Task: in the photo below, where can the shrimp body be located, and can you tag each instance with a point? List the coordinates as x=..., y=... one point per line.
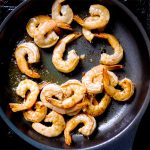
x=45, y=37
x=50, y=91
x=94, y=77
x=97, y=109
x=38, y=115
x=78, y=92
x=65, y=10
x=116, y=57
x=33, y=24
x=58, y=125
x=119, y=95
x=72, y=60
x=88, y=34
x=21, y=90
x=98, y=19
x=32, y=51
x=88, y=128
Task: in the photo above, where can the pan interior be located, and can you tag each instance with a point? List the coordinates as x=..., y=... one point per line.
x=136, y=63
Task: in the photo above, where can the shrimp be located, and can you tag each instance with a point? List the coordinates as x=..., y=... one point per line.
x=116, y=57
x=93, y=78
x=72, y=61
x=45, y=37
x=119, y=95
x=65, y=10
x=78, y=90
x=88, y=34
x=31, y=98
x=88, y=128
x=58, y=125
x=38, y=115
x=34, y=23
x=97, y=109
x=32, y=51
x=98, y=19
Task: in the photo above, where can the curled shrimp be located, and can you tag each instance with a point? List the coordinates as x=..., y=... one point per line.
x=45, y=37
x=34, y=23
x=32, y=51
x=58, y=125
x=38, y=115
x=119, y=95
x=72, y=61
x=78, y=92
x=116, y=57
x=96, y=109
x=65, y=10
x=93, y=78
x=31, y=98
x=88, y=128
x=99, y=17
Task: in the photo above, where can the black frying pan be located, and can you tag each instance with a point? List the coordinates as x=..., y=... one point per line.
x=116, y=128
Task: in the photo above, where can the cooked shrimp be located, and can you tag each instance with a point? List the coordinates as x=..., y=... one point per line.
x=72, y=61
x=32, y=51
x=98, y=109
x=88, y=128
x=120, y=95
x=38, y=115
x=35, y=22
x=88, y=34
x=58, y=125
x=31, y=98
x=45, y=37
x=79, y=91
x=32, y=25
x=116, y=57
x=62, y=13
x=98, y=19
x=51, y=91
x=93, y=78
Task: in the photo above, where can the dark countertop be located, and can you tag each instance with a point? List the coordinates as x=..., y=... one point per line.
x=9, y=140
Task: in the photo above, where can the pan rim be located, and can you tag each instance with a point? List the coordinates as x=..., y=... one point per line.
x=137, y=117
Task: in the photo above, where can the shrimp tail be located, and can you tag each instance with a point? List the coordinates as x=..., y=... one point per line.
x=63, y=25
x=78, y=20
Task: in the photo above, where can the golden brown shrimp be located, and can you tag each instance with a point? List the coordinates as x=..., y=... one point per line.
x=119, y=95
x=45, y=37
x=72, y=60
x=32, y=25
x=88, y=34
x=88, y=128
x=62, y=13
x=58, y=125
x=97, y=109
x=35, y=22
x=98, y=19
x=114, y=58
x=38, y=115
x=32, y=51
x=93, y=78
x=79, y=91
x=31, y=98
x=51, y=90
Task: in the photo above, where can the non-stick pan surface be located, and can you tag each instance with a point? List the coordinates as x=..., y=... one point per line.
x=119, y=116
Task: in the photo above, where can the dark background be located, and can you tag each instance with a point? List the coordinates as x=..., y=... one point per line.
x=141, y=8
